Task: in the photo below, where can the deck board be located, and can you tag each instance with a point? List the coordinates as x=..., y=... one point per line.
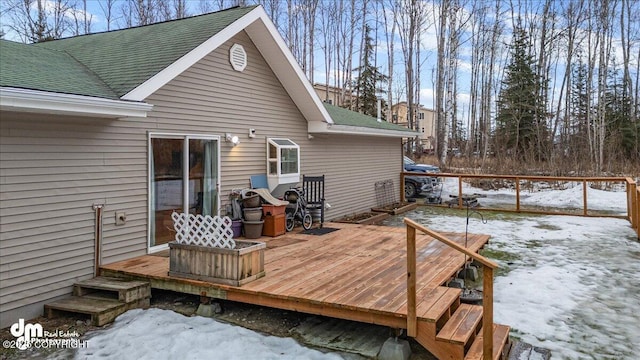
x=356, y=273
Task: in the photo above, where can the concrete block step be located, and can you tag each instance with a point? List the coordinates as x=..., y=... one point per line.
x=123, y=290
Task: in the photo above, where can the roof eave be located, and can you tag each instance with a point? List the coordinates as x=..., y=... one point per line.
x=317, y=127
x=273, y=48
x=36, y=101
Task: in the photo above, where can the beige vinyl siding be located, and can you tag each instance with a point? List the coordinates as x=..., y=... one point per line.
x=53, y=168
x=233, y=102
x=352, y=166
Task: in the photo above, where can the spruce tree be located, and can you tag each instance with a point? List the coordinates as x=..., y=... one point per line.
x=520, y=119
x=368, y=84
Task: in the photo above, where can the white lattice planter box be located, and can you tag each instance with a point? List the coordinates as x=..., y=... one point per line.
x=233, y=267
x=206, y=250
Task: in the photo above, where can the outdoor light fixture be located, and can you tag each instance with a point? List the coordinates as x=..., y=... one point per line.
x=232, y=139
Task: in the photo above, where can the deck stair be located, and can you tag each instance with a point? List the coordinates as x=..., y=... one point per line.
x=102, y=299
x=442, y=324
x=452, y=330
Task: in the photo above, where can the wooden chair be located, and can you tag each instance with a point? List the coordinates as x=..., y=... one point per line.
x=313, y=187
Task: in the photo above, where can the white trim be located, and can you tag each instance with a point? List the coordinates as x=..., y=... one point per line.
x=317, y=127
x=25, y=100
x=189, y=59
x=279, y=178
x=186, y=137
x=267, y=39
x=277, y=54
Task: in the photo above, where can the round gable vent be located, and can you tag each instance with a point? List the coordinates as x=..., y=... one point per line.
x=238, y=57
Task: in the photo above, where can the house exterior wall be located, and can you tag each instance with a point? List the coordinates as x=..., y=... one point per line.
x=54, y=168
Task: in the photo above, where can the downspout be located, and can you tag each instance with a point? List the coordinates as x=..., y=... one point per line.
x=97, y=251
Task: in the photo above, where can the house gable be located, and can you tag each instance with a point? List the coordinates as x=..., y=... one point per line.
x=134, y=63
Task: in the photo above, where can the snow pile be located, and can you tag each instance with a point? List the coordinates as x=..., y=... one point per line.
x=163, y=334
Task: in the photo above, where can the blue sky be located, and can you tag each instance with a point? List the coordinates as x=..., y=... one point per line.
x=428, y=50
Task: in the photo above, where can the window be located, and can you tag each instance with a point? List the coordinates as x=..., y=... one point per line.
x=421, y=115
x=283, y=162
x=184, y=177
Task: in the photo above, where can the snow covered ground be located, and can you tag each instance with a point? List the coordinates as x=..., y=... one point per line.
x=569, y=284
x=163, y=334
x=536, y=194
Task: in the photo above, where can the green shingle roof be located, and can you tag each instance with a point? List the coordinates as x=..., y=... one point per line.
x=111, y=64
x=29, y=67
x=121, y=60
x=347, y=117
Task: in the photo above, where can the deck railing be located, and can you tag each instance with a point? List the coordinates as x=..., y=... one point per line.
x=633, y=205
x=632, y=189
x=487, y=284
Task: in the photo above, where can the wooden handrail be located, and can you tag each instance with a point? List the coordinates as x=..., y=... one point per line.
x=487, y=284
x=475, y=256
x=521, y=177
x=631, y=188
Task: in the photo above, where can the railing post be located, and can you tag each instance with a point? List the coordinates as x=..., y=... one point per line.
x=412, y=321
x=629, y=202
x=460, y=192
x=633, y=209
x=517, y=194
x=636, y=201
x=487, y=313
x=584, y=196
x=402, y=198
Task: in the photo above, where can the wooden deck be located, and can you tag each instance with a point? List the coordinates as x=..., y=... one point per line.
x=357, y=273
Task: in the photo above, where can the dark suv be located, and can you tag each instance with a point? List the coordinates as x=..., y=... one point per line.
x=414, y=185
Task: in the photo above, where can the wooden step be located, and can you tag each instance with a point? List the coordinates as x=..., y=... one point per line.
x=500, y=340
x=101, y=311
x=462, y=326
x=438, y=303
x=123, y=290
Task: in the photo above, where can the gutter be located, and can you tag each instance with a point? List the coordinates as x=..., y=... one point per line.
x=317, y=127
x=36, y=101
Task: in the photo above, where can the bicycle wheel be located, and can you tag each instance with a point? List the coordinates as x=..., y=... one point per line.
x=290, y=222
x=307, y=221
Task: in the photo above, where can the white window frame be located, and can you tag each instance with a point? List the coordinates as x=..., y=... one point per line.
x=185, y=176
x=278, y=177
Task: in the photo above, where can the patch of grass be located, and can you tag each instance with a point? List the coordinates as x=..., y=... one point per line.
x=502, y=256
x=534, y=244
x=497, y=254
x=547, y=227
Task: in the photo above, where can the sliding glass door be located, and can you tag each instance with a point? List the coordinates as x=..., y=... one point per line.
x=184, y=177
